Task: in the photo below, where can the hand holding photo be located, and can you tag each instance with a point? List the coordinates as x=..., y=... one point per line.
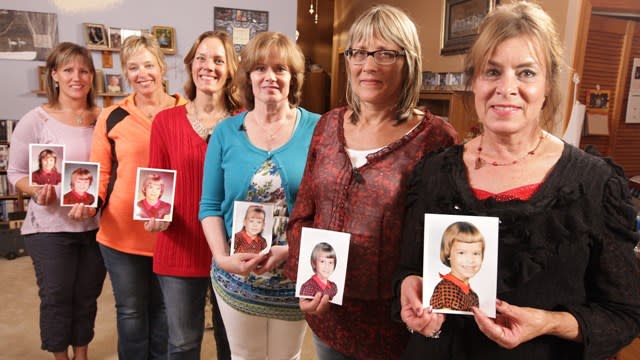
x=155, y=189
x=460, y=263
x=80, y=183
x=44, y=162
x=326, y=270
x=252, y=227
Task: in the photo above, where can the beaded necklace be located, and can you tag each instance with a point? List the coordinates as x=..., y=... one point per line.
x=480, y=162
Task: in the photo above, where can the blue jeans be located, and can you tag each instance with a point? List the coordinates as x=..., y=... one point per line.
x=141, y=315
x=185, y=300
x=70, y=274
x=324, y=352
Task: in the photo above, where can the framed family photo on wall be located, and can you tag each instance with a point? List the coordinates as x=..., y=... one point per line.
x=95, y=36
x=461, y=21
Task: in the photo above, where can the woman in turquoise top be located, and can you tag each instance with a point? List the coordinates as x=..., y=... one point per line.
x=258, y=156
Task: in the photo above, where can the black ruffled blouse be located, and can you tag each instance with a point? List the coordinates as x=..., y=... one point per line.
x=568, y=248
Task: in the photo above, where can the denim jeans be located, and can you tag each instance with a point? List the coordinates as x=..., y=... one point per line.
x=324, y=352
x=185, y=300
x=141, y=315
x=70, y=274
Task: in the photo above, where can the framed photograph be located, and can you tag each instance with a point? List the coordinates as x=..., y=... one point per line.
x=112, y=83
x=252, y=227
x=166, y=36
x=241, y=24
x=80, y=182
x=323, y=264
x=598, y=100
x=460, y=263
x=155, y=190
x=461, y=21
x=125, y=33
x=42, y=78
x=44, y=161
x=95, y=36
x=115, y=38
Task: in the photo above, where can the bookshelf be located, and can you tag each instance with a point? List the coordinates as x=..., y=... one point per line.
x=12, y=205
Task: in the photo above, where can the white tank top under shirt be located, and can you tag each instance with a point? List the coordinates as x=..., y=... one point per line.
x=359, y=157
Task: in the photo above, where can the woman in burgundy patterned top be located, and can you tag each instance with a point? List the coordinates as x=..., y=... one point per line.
x=355, y=180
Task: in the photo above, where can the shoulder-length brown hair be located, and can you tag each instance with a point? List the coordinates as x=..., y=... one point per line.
x=231, y=100
x=256, y=52
x=521, y=19
x=61, y=55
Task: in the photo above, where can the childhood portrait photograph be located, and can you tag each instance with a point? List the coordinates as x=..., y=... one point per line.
x=45, y=162
x=252, y=226
x=80, y=183
x=460, y=263
x=155, y=189
x=323, y=264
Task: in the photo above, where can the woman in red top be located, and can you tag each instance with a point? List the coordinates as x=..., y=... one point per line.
x=179, y=136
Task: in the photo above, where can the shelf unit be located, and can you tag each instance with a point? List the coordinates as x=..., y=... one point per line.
x=456, y=106
x=18, y=197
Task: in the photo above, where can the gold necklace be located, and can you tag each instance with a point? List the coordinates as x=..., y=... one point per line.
x=480, y=162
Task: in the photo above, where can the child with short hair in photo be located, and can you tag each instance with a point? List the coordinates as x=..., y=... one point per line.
x=323, y=263
x=461, y=249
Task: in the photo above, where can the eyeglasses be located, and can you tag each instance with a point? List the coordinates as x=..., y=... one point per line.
x=381, y=57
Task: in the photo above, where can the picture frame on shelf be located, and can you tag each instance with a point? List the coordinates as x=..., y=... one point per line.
x=166, y=36
x=42, y=78
x=113, y=83
x=598, y=100
x=95, y=36
x=115, y=38
x=461, y=21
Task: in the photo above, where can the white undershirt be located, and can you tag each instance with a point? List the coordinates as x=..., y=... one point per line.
x=359, y=157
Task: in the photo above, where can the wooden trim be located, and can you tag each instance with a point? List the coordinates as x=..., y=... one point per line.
x=621, y=82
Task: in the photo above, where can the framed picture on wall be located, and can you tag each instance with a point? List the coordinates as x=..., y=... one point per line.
x=241, y=24
x=115, y=38
x=166, y=36
x=113, y=83
x=95, y=36
x=461, y=21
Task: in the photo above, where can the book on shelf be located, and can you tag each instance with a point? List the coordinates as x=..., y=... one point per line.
x=4, y=156
x=6, y=129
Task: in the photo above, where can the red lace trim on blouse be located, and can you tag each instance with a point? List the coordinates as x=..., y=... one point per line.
x=520, y=193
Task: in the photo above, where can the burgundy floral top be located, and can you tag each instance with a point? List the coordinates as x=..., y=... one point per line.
x=368, y=203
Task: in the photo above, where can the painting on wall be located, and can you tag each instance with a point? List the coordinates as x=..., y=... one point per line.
x=241, y=24
x=461, y=21
x=27, y=35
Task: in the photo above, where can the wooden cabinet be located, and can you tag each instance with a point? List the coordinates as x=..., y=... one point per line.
x=454, y=106
x=315, y=91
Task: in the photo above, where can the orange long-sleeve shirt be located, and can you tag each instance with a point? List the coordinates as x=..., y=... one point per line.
x=131, y=136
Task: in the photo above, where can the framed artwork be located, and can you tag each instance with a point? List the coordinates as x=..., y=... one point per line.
x=598, y=100
x=166, y=36
x=241, y=24
x=44, y=162
x=252, y=227
x=80, y=183
x=155, y=190
x=95, y=36
x=461, y=21
x=115, y=38
x=323, y=264
x=113, y=83
x=460, y=249
x=27, y=35
x=42, y=78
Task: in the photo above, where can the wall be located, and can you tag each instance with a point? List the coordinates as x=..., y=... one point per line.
x=189, y=18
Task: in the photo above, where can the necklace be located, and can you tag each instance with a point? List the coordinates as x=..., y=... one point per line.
x=204, y=131
x=480, y=162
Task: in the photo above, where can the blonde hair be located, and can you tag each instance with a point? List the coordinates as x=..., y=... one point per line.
x=521, y=19
x=461, y=231
x=135, y=43
x=256, y=52
x=390, y=24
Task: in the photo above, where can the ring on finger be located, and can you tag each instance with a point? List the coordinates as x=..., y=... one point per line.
x=435, y=334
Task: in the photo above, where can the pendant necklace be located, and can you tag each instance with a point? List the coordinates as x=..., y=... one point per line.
x=203, y=131
x=480, y=162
